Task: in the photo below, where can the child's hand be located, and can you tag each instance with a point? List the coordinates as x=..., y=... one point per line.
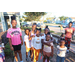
x=33, y=35
x=51, y=54
x=21, y=43
x=12, y=48
x=32, y=48
x=42, y=34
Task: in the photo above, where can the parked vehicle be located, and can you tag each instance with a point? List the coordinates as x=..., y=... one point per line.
x=65, y=25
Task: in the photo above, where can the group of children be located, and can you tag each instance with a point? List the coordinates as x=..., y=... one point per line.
x=35, y=43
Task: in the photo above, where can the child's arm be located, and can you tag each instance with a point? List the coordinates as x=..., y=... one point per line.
x=32, y=43
x=47, y=43
x=52, y=50
x=30, y=37
x=21, y=40
x=11, y=47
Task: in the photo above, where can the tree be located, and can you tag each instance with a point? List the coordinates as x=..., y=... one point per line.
x=63, y=18
x=30, y=16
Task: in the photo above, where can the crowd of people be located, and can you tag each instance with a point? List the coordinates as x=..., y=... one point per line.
x=37, y=42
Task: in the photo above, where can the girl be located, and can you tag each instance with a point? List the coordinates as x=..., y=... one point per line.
x=61, y=51
x=32, y=35
x=46, y=30
x=61, y=38
x=37, y=44
x=2, y=55
x=47, y=48
x=68, y=35
x=27, y=43
x=15, y=39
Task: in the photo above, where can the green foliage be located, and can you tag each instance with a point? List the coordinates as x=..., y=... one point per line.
x=8, y=51
x=50, y=18
x=45, y=20
x=63, y=18
x=30, y=16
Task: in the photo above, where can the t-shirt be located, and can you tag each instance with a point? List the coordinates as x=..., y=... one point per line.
x=47, y=48
x=36, y=42
x=26, y=39
x=14, y=34
x=69, y=32
x=61, y=51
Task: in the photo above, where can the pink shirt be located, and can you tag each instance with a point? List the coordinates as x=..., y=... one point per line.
x=14, y=34
x=69, y=32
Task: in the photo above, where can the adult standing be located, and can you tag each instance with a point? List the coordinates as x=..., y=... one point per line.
x=69, y=31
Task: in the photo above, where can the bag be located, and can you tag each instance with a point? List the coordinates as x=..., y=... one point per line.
x=4, y=38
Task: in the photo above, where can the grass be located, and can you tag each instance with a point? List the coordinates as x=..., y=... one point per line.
x=8, y=53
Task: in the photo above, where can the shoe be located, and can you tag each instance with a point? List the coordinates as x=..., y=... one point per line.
x=21, y=61
x=27, y=59
x=46, y=60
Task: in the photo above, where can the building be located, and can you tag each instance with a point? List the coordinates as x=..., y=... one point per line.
x=5, y=20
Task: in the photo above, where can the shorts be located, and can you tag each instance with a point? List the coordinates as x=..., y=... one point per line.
x=17, y=47
x=48, y=54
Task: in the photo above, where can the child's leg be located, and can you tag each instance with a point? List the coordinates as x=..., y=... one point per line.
x=37, y=56
x=47, y=59
x=32, y=52
x=44, y=58
x=58, y=59
x=20, y=55
x=15, y=53
x=26, y=54
x=62, y=59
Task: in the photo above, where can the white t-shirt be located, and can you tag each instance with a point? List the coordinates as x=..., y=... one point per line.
x=47, y=48
x=26, y=39
x=36, y=42
x=61, y=51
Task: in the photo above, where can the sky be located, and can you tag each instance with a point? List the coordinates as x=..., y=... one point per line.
x=57, y=14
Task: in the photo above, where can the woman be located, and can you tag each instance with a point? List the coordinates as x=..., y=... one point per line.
x=68, y=35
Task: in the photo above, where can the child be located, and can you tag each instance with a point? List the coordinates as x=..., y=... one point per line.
x=32, y=35
x=61, y=28
x=61, y=51
x=27, y=43
x=61, y=38
x=47, y=48
x=46, y=30
x=2, y=55
x=15, y=39
x=36, y=44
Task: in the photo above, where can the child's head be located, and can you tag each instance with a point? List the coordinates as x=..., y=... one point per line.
x=0, y=41
x=62, y=42
x=46, y=30
x=62, y=35
x=70, y=24
x=48, y=36
x=14, y=23
x=27, y=31
x=38, y=31
x=34, y=26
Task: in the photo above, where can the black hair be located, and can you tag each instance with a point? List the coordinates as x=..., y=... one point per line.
x=12, y=20
x=70, y=22
x=27, y=29
x=62, y=39
x=46, y=27
x=62, y=34
x=34, y=24
x=48, y=33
